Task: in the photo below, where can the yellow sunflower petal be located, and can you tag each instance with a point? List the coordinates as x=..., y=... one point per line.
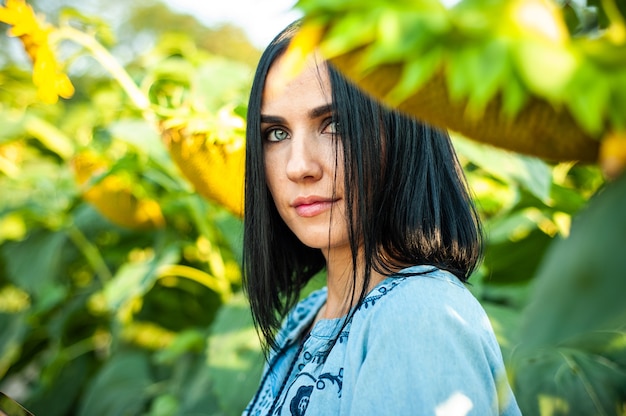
x=22, y=17
x=612, y=157
x=63, y=85
x=216, y=170
x=304, y=42
x=113, y=195
x=10, y=13
x=49, y=80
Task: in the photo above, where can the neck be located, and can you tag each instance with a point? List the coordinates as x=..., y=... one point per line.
x=343, y=291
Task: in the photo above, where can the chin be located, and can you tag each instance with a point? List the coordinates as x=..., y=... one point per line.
x=323, y=240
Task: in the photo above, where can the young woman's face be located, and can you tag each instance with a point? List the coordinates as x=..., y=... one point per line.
x=303, y=155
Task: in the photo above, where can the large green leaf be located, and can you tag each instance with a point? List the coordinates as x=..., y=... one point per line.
x=59, y=397
x=572, y=358
x=120, y=388
x=572, y=378
x=505, y=323
x=35, y=263
x=514, y=259
x=234, y=356
x=14, y=328
x=135, y=279
x=196, y=394
x=231, y=229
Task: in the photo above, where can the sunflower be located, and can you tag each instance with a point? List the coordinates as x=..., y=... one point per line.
x=50, y=80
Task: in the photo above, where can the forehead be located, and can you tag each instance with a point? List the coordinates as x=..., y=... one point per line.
x=309, y=85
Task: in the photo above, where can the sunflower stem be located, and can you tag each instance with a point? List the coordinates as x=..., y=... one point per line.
x=109, y=62
x=91, y=253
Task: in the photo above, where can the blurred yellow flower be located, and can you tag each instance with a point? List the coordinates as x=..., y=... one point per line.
x=50, y=81
x=114, y=195
x=612, y=157
x=215, y=166
x=304, y=43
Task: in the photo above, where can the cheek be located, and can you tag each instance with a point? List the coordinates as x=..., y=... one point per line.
x=275, y=182
x=271, y=170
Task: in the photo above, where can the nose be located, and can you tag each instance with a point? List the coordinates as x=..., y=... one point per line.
x=304, y=162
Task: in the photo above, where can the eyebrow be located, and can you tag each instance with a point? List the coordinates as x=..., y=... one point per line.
x=313, y=114
x=320, y=111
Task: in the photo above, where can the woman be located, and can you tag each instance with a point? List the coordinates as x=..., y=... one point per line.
x=335, y=182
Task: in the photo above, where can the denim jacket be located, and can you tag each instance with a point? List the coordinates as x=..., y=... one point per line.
x=419, y=344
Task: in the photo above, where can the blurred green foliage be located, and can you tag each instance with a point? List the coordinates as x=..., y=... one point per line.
x=98, y=318
x=101, y=319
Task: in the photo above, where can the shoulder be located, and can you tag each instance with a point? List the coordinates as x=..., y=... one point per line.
x=429, y=301
x=428, y=337
x=419, y=287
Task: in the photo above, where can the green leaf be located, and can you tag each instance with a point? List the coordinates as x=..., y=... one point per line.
x=196, y=396
x=404, y=35
x=588, y=98
x=514, y=97
x=231, y=230
x=351, y=32
x=582, y=275
x=618, y=103
x=505, y=323
x=545, y=68
x=568, y=381
x=165, y=405
x=59, y=397
x=234, y=355
x=531, y=173
x=489, y=69
x=133, y=280
x=184, y=342
x=37, y=277
x=515, y=260
x=573, y=353
x=491, y=195
x=414, y=74
x=14, y=328
x=119, y=388
x=458, y=79
x=566, y=200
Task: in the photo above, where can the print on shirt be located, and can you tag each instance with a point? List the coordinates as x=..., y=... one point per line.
x=300, y=402
x=305, y=384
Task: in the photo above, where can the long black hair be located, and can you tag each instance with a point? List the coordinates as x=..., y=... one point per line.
x=407, y=201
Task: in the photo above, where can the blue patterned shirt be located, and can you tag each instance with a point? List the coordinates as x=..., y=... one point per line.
x=419, y=344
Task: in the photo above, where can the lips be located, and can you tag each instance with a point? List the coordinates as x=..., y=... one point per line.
x=312, y=205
